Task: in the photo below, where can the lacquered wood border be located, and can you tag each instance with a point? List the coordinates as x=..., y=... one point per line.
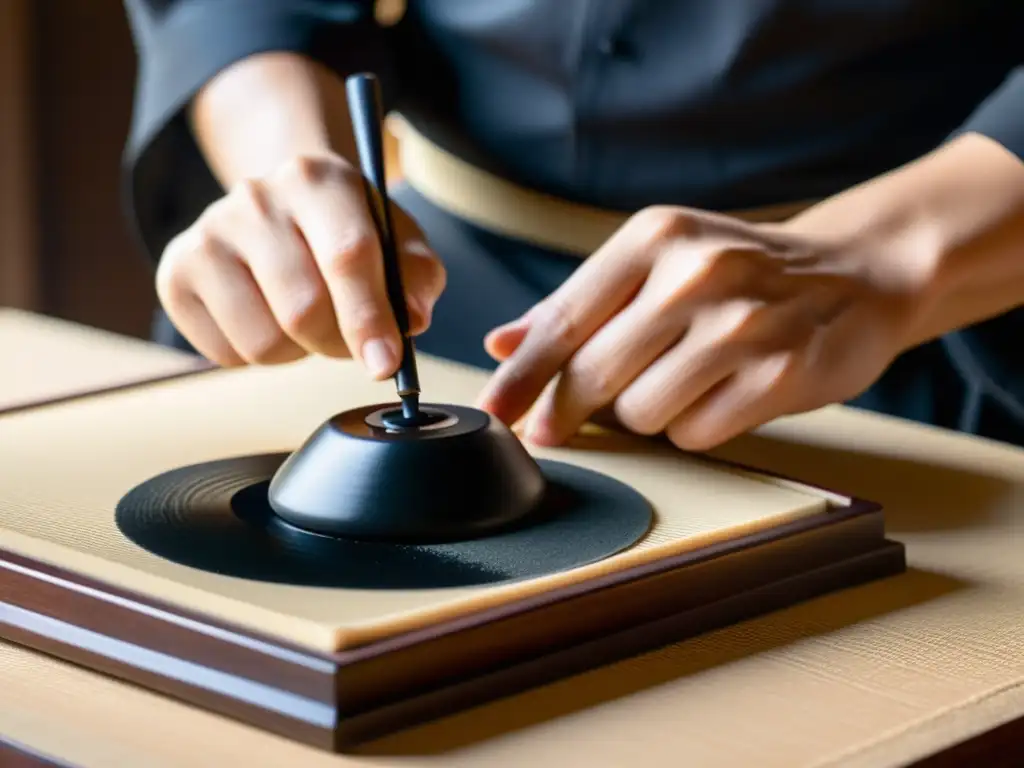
x=16, y=755
x=332, y=700
x=885, y=560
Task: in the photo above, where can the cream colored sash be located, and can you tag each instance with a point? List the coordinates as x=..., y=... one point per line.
x=500, y=206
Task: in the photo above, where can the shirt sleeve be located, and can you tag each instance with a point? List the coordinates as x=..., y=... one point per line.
x=180, y=46
x=1001, y=116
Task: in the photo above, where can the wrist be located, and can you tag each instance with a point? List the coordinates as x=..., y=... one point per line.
x=945, y=233
x=267, y=110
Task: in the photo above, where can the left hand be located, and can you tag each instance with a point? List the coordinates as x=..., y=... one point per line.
x=703, y=327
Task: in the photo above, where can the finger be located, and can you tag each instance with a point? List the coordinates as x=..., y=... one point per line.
x=755, y=395
x=503, y=341
x=679, y=280
x=423, y=280
x=189, y=316
x=235, y=303
x=184, y=308
x=621, y=350
x=675, y=380
x=605, y=365
x=560, y=324
x=284, y=270
x=424, y=277
x=331, y=212
x=720, y=339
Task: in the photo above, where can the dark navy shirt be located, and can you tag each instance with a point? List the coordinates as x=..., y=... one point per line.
x=716, y=104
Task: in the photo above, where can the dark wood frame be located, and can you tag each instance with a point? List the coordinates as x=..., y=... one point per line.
x=335, y=701
x=13, y=754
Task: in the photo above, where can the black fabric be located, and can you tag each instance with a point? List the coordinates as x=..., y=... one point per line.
x=216, y=517
x=619, y=103
x=624, y=103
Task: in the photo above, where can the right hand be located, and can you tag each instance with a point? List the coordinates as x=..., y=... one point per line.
x=290, y=265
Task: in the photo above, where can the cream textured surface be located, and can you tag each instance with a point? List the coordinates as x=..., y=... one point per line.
x=65, y=468
x=873, y=676
x=64, y=359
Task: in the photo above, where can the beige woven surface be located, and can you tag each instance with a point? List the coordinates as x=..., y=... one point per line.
x=43, y=359
x=66, y=467
x=873, y=676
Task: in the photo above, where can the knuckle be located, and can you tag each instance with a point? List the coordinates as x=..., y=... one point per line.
x=658, y=223
x=594, y=380
x=264, y=348
x=305, y=311
x=423, y=272
x=633, y=413
x=364, y=321
x=169, y=267
x=251, y=198
x=708, y=274
x=559, y=321
x=741, y=321
x=352, y=257
x=779, y=369
x=168, y=282
x=692, y=436
x=179, y=258
x=310, y=170
x=728, y=266
x=204, y=243
x=439, y=277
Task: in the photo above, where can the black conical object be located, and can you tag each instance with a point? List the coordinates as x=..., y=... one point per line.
x=404, y=472
x=463, y=476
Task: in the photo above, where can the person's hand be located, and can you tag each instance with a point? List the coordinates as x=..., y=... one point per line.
x=290, y=265
x=702, y=327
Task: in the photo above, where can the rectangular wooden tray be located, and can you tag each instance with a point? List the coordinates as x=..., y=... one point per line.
x=336, y=701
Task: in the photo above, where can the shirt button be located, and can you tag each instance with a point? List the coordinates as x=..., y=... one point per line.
x=389, y=12
x=614, y=47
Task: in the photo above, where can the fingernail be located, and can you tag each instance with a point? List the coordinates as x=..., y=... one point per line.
x=417, y=247
x=379, y=357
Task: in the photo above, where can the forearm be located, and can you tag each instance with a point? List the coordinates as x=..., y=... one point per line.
x=266, y=109
x=951, y=225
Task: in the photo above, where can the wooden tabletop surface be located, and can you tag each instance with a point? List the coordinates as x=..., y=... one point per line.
x=881, y=675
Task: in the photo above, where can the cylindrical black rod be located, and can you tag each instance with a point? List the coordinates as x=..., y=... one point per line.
x=367, y=114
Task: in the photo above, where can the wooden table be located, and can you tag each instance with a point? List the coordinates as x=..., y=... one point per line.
x=927, y=666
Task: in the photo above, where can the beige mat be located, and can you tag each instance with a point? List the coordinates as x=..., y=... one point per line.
x=46, y=359
x=65, y=468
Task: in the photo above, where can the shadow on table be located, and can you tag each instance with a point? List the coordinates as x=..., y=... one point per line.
x=918, y=495
x=819, y=616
